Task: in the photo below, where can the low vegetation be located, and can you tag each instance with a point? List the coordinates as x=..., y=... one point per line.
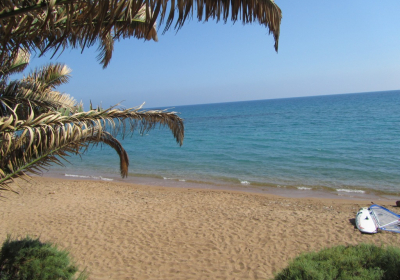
x=31, y=259
x=363, y=262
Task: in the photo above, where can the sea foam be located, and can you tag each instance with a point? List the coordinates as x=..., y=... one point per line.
x=350, y=191
x=89, y=177
x=304, y=188
x=77, y=176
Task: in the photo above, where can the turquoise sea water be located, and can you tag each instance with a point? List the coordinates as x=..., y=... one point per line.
x=343, y=143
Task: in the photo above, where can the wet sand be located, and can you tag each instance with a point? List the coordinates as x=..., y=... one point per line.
x=125, y=231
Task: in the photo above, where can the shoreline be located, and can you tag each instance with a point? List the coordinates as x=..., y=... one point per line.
x=120, y=230
x=289, y=192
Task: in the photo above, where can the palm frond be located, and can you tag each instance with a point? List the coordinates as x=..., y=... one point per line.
x=50, y=76
x=60, y=24
x=111, y=141
x=36, y=91
x=37, y=153
x=15, y=65
x=43, y=139
x=57, y=24
x=116, y=119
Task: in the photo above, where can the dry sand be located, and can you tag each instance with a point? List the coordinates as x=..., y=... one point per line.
x=126, y=231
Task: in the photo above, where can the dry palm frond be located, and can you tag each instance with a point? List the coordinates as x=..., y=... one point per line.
x=57, y=24
x=111, y=141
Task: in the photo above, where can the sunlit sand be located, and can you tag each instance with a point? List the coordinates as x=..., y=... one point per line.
x=125, y=231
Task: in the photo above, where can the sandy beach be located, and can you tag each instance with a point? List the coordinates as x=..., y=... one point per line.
x=126, y=231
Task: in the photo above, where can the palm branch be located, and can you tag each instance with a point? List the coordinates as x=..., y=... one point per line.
x=42, y=139
x=15, y=65
x=37, y=92
x=53, y=25
x=119, y=121
x=33, y=154
x=40, y=126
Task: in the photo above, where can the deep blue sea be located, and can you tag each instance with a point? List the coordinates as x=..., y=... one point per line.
x=346, y=143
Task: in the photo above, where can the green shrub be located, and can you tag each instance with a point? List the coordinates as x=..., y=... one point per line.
x=364, y=261
x=31, y=259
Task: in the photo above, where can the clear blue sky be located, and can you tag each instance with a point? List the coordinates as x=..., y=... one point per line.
x=326, y=47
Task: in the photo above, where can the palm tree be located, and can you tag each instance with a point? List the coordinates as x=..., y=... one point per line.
x=39, y=125
x=47, y=25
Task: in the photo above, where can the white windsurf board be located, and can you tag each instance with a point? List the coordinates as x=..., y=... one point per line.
x=365, y=221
